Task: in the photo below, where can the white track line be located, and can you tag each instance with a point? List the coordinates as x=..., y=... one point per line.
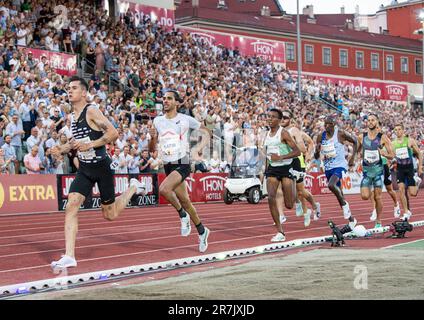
x=402, y=244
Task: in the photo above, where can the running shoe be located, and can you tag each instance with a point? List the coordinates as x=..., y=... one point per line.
x=396, y=210
x=64, y=262
x=299, y=209
x=203, y=240
x=346, y=211
x=317, y=212
x=141, y=187
x=307, y=218
x=185, y=226
x=377, y=225
x=297, y=174
x=407, y=215
x=373, y=215
x=279, y=237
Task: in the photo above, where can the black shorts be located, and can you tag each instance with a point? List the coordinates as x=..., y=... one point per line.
x=297, y=167
x=279, y=172
x=405, y=175
x=387, y=175
x=182, y=166
x=90, y=173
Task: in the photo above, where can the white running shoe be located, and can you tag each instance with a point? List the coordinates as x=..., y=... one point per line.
x=282, y=219
x=299, y=209
x=64, y=262
x=373, y=215
x=185, y=226
x=346, y=211
x=279, y=237
x=307, y=218
x=407, y=215
x=141, y=187
x=396, y=210
x=203, y=240
x=352, y=224
x=317, y=212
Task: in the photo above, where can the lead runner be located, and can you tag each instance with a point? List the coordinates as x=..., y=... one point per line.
x=91, y=131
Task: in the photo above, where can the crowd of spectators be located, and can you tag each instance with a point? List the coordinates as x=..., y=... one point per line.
x=130, y=63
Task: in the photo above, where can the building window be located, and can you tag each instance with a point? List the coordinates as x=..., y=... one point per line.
x=404, y=66
x=390, y=63
x=326, y=56
x=359, y=60
x=290, y=52
x=418, y=67
x=309, y=54
x=375, y=63
x=343, y=58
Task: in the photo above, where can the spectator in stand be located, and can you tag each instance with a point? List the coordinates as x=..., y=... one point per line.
x=145, y=162
x=32, y=162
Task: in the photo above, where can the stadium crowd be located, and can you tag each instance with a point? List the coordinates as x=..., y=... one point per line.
x=130, y=63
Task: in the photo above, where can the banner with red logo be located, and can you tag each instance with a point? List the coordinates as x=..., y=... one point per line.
x=381, y=90
x=121, y=185
x=202, y=187
x=165, y=17
x=63, y=63
x=27, y=193
x=267, y=49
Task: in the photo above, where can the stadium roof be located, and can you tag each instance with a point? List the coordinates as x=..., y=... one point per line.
x=238, y=6
x=337, y=19
x=226, y=19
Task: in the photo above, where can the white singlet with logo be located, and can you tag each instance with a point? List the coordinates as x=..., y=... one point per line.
x=174, y=136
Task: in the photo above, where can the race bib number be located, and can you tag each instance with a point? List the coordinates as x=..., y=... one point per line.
x=328, y=150
x=402, y=153
x=89, y=154
x=371, y=156
x=171, y=145
x=272, y=150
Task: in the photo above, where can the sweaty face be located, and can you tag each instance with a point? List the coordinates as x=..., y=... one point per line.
x=329, y=125
x=76, y=92
x=398, y=131
x=169, y=102
x=285, y=121
x=273, y=119
x=372, y=123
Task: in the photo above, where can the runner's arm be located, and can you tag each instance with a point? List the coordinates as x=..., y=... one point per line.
x=310, y=146
x=110, y=134
x=389, y=154
x=417, y=150
x=298, y=139
x=318, y=147
x=285, y=136
x=352, y=139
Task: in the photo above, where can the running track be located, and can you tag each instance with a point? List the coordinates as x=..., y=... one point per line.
x=29, y=243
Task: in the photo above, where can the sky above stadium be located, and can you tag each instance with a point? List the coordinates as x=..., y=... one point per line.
x=333, y=6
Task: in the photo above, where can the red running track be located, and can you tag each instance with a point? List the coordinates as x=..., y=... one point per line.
x=139, y=236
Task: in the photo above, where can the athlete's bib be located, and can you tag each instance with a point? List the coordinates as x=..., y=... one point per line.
x=171, y=145
x=371, y=156
x=328, y=150
x=89, y=154
x=402, y=153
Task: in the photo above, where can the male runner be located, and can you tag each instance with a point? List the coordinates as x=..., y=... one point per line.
x=171, y=131
x=389, y=187
x=331, y=145
x=299, y=165
x=91, y=131
x=404, y=148
x=371, y=143
x=280, y=151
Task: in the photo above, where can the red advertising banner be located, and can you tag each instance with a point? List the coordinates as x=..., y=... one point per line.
x=63, y=63
x=381, y=90
x=165, y=17
x=27, y=194
x=202, y=187
x=267, y=49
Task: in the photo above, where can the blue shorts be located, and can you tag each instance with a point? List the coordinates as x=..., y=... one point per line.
x=335, y=172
